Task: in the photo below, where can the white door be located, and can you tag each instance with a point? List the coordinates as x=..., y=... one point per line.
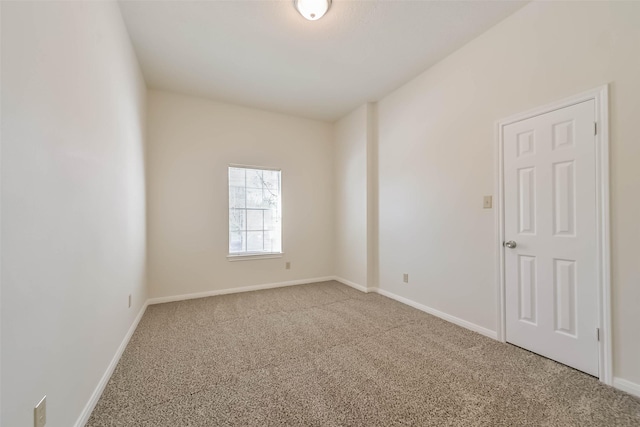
x=550, y=216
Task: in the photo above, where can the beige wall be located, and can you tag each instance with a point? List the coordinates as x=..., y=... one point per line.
x=350, y=157
x=191, y=143
x=436, y=151
x=73, y=203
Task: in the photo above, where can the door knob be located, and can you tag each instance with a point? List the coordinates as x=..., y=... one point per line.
x=510, y=244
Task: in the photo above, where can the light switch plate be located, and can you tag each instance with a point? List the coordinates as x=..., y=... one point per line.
x=40, y=413
x=488, y=202
x=405, y=277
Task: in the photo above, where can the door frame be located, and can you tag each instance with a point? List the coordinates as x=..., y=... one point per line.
x=601, y=97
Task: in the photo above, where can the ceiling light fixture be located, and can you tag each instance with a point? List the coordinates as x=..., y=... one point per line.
x=312, y=9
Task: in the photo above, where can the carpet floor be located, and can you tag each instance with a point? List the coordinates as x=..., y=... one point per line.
x=328, y=355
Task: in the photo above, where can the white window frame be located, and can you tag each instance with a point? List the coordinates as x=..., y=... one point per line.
x=248, y=256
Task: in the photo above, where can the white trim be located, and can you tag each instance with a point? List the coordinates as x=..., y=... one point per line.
x=173, y=298
x=239, y=166
x=626, y=386
x=449, y=318
x=499, y=231
x=97, y=393
x=91, y=404
x=254, y=256
x=601, y=97
x=352, y=284
x=619, y=383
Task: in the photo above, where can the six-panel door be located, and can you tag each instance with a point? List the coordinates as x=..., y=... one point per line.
x=550, y=212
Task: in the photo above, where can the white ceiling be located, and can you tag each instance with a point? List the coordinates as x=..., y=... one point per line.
x=263, y=54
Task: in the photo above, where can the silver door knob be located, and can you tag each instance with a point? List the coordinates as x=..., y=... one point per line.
x=510, y=244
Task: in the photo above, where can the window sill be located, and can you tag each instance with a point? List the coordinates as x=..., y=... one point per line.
x=255, y=256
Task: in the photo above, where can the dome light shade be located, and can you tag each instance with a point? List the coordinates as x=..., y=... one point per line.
x=312, y=9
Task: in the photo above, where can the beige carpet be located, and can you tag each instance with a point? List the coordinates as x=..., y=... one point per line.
x=328, y=355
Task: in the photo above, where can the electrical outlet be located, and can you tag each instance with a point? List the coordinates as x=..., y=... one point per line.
x=287, y=265
x=488, y=202
x=40, y=413
x=129, y=300
x=405, y=277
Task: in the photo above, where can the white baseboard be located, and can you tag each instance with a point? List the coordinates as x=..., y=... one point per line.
x=465, y=324
x=627, y=386
x=352, y=284
x=91, y=404
x=88, y=409
x=449, y=318
x=619, y=383
x=160, y=300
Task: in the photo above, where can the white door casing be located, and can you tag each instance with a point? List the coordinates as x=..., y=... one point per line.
x=553, y=202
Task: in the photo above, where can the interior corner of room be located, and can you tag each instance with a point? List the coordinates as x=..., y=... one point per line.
x=115, y=172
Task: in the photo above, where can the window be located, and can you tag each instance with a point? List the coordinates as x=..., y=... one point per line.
x=255, y=212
